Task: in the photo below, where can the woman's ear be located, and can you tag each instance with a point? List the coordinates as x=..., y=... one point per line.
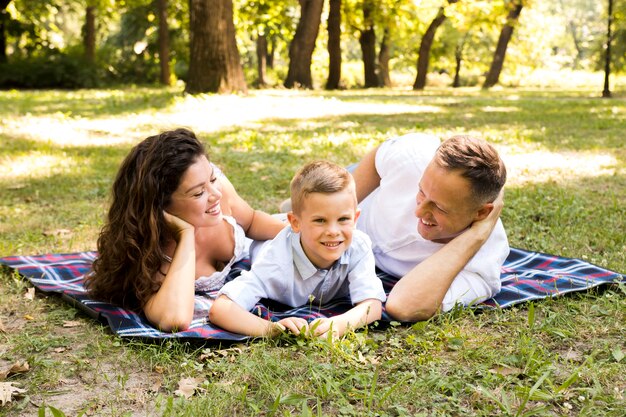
x=294, y=221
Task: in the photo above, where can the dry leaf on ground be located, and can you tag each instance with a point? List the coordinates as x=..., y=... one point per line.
x=187, y=387
x=30, y=294
x=16, y=368
x=7, y=390
x=58, y=232
x=72, y=323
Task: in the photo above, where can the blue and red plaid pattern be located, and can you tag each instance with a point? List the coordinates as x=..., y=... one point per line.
x=525, y=276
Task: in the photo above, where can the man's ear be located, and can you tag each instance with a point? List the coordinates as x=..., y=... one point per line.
x=294, y=221
x=483, y=211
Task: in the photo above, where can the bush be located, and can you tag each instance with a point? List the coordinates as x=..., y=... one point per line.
x=49, y=70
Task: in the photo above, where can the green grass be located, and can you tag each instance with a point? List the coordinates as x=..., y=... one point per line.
x=59, y=152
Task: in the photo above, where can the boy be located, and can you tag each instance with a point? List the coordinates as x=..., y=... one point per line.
x=320, y=256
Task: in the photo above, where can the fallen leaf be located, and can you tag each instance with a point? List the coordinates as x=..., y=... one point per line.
x=60, y=350
x=156, y=386
x=7, y=390
x=187, y=387
x=505, y=370
x=16, y=368
x=72, y=323
x=28, y=317
x=30, y=294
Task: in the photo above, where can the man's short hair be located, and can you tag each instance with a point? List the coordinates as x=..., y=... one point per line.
x=476, y=160
x=319, y=177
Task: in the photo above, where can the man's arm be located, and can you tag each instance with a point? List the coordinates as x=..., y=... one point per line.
x=365, y=175
x=418, y=295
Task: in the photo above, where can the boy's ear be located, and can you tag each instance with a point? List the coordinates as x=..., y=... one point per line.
x=357, y=213
x=294, y=221
x=483, y=211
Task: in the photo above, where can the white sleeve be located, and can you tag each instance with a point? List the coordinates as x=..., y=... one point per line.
x=363, y=281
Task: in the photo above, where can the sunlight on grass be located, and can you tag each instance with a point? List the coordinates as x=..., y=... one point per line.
x=35, y=165
x=543, y=166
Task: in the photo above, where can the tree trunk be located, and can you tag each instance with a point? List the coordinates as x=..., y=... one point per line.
x=334, y=45
x=383, y=61
x=368, y=47
x=4, y=17
x=424, y=52
x=271, y=47
x=606, y=91
x=505, y=36
x=458, y=58
x=261, y=59
x=214, y=64
x=303, y=44
x=164, y=43
x=89, y=40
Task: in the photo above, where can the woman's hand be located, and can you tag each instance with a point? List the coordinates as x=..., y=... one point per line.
x=176, y=225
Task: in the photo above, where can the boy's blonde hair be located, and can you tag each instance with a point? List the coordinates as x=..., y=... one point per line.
x=319, y=177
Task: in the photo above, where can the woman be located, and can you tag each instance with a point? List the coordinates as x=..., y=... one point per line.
x=176, y=224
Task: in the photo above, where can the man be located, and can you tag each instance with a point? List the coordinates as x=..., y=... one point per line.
x=432, y=213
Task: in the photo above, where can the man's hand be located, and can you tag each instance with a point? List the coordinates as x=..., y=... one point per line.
x=487, y=224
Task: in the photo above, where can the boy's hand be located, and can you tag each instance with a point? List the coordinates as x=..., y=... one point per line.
x=322, y=326
x=293, y=324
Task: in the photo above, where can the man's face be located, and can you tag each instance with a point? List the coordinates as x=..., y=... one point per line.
x=445, y=206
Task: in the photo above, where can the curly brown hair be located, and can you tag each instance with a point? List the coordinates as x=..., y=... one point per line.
x=130, y=245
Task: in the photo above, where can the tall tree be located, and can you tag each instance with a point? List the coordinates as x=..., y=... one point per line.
x=334, y=45
x=384, y=55
x=367, y=40
x=303, y=44
x=261, y=59
x=214, y=63
x=515, y=9
x=606, y=91
x=89, y=39
x=164, y=42
x=425, y=46
x=4, y=18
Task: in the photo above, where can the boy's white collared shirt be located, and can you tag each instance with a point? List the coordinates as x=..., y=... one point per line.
x=282, y=272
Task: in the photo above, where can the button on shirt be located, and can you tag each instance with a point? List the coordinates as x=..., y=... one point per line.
x=388, y=217
x=282, y=272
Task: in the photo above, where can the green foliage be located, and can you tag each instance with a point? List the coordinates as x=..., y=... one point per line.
x=51, y=69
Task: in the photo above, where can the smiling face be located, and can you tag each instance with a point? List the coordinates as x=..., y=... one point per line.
x=198, y=196
x=326, y=223
x=445, y=204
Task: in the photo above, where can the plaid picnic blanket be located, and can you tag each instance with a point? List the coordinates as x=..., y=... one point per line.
x=525, y=276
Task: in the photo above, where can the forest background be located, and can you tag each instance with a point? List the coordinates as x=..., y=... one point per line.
x=226, y=46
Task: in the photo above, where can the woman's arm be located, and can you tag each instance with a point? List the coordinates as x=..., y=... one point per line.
x=257, y=224
x=171, y=307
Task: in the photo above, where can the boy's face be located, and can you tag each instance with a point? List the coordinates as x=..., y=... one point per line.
x=445, y=205
x=325, y=224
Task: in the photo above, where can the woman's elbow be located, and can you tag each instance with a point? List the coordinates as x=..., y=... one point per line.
x=172, y=323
